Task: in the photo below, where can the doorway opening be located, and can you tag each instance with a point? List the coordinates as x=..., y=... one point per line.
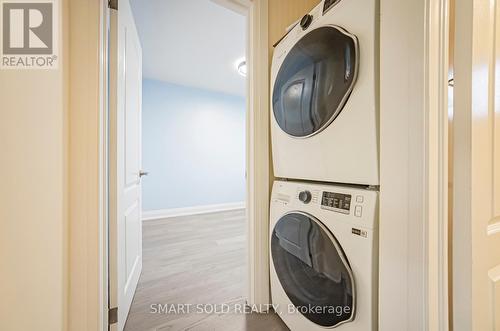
x=193, y=149
x=179, y=247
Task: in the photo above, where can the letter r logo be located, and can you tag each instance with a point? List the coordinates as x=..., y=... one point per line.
x=27, y=28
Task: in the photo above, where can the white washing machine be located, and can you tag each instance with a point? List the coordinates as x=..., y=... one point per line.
x=324, y=256
x=324, y=95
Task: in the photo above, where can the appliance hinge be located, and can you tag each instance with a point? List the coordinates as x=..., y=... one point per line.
x=113, y=4
x=113, y=315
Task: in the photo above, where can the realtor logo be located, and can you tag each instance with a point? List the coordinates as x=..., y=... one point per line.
x=28, y=34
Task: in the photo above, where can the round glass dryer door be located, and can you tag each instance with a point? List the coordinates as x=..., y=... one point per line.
x=315, y=81
x=313, y=270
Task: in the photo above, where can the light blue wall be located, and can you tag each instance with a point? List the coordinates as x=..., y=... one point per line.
x=193, y=144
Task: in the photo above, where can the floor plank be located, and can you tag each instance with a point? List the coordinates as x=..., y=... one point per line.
x=194, y=260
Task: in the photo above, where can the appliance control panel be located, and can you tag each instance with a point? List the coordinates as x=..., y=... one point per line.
x=330, y=203
x=338, y=202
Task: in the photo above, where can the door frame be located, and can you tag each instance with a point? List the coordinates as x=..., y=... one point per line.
x=257, y=149
x=414, y=165
x=436, y=185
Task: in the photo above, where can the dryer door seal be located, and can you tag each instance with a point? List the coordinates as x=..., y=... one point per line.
x=315, y=80
x=313, y=270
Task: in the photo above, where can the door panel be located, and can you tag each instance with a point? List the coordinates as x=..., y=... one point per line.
x=132, y=248
x=132, y=106
x=476, y=187
x=494, y=276
x=125, y=231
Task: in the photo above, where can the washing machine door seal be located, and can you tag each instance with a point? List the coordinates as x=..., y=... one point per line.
x=313, y=270
x=315, y=81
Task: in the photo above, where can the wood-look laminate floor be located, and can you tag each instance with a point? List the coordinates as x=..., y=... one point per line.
x=195, y=260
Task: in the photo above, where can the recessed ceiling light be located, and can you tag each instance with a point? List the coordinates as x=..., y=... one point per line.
x=241, y=67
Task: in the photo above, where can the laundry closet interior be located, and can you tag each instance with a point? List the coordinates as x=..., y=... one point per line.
x=325, y=155
x=333, y=222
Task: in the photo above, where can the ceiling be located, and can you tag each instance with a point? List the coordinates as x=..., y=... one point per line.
x=191, y=42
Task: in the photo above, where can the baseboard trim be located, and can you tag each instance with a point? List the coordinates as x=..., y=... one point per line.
x=175, y=212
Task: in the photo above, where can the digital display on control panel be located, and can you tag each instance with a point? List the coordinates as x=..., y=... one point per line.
x=336, y=201
x=329, y=4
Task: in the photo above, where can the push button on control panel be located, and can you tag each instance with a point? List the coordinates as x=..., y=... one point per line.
x=359, y=198
x=358, y=211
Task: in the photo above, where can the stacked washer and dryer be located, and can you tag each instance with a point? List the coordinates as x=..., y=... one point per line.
x=324, y=205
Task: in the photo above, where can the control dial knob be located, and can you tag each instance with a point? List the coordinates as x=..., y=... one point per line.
x=306, y=21
x=305, y=196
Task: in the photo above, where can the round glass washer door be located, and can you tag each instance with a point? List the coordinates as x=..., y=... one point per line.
x=313, y=270
x=315, y=81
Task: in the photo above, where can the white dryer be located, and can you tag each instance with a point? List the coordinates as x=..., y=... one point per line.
x=324, y=256
x=324, y=95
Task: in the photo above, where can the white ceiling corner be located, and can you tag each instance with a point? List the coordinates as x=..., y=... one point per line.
x=192, y=42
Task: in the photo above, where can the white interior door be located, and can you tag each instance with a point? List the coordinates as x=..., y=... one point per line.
x=476, y=184
x=125, y=233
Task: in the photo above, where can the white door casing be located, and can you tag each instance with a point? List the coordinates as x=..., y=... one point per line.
x=125, y=232
x=476, y=181
x=259, y=167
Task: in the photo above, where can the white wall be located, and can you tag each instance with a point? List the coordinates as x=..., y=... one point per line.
x=33, y=214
